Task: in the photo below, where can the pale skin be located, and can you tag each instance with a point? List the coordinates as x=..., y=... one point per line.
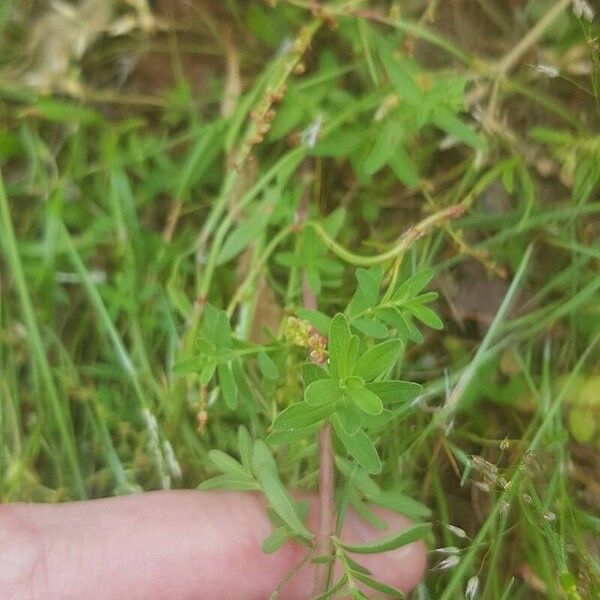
x=180, y=545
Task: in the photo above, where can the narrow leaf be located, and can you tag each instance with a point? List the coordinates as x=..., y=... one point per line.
x=322, y=392
x=267, y=367
x=395, y=391
x=301, y=415
x=228, y=385
x=360, y=447
x=377, y=359
x=374, y=584
x=226, y=463
x=366, y=400
x=339, y=338
x=280, y=501
x=230, y=483
x=277, y=538
x=391, y=542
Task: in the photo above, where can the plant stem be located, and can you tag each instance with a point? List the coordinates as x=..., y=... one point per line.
x=326, y=457
x=326, y=508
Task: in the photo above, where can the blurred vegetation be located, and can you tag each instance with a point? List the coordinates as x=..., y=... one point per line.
x=153, y=156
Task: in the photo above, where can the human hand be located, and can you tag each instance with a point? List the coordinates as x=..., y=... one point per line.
x=180, y=545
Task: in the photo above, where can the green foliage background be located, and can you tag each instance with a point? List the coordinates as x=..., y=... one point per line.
x=134, y=202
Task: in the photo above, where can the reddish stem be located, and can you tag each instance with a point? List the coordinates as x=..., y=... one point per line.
x=326, y=455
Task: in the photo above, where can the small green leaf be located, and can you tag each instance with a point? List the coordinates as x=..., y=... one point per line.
x=379, y=586
x=378, y=359
x=207, y=372
x=391, y=542
x=222, y=331
x=242, y=236
x=228, y=385
x=401, y=79
x=366, y=400
x=312, y=372
x=262, y=457
x=446, y=120
x=188, y=365
x=286, y=437
x=339, y=338
x=245, y=448
x=413, y=285
x=425, y=315
x=355, y=382
x=369, y=284
x=351, y=354
x=266, y=365
x=395, y=391
x=334, y=589
x=301, y=415
x=277, y=538
x=360, y=447
x=384, y=145
x=401, y=503
x=280, y=501
x=404, y=168
x=349, y=417
x=322, y=392
x=226, y=463
x=230, y=483
x=371, y=327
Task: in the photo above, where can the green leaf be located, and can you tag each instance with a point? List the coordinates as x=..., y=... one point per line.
x=384, y=146
x=378, y=359
x=322, y=392
x=64, y=112
x=241, y=236
x=339, y=338
x=401, y=503
x=369, y=285
x=366, y=400
x=245, y=448
x=301, y=415
x=338, y=145
x=351, y=354
x=391, y=542
x=401, y=79
x=425, y=315
x=360, y=447
x=286, y=437
x=188, y=365
x=334, y=589
x=395, y=391
x=230, y=483
x=207, y=372
x=349, y=417
x=266, y=365
x=446, y=120
x=228, y=385
x=413, y=285
x=371, y=327
x=280, y=501
x=222, y=331
x=226, y=463
x=404, y=168
x=388, y=590
x=312, y=372
x=277, y=538
x=262, y=457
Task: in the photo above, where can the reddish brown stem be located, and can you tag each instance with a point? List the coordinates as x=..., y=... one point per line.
x=326, y=455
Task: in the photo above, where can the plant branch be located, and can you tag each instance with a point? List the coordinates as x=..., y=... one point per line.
x=326, y=456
